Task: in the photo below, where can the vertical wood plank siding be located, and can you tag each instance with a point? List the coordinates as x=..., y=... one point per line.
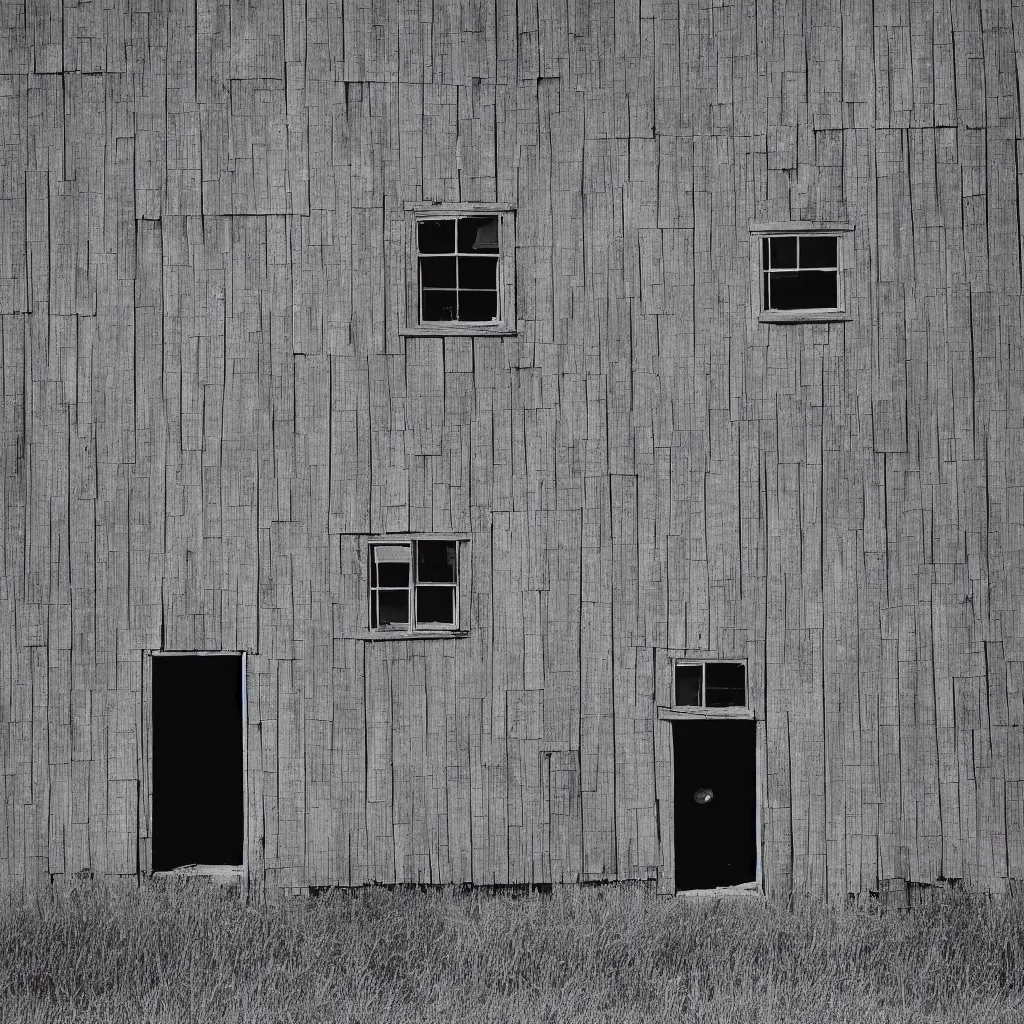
x=208, y=406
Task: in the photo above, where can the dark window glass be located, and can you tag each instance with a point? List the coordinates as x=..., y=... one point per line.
x=392, y=574
x=435, y=605
x=478, y=234
x=804, y=289
x=783, y=252
x=435, y=561
x=440, y=305
x=817, y=251
x=688, y=685
x=478, y=271
x=821, y=289
x=724, y=685
x=786, y=291
x=394, y=607
x=437, y=236
x=437, y=271
x=764, y=254
x=478, y=306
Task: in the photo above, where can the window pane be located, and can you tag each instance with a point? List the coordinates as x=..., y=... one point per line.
x=438, y=305
x=783, y=252
x=767, y=298
x=822, y=288
x=478, y=271
x=394, y=607
x=688, y=685
x=435, y=561
x=724, y=685
x=817, y=251
x=437, y=236
x=437, y=271
x=435, y=606
x=392, y=574
x=478, y=306
x=785, y=291
x=390, y=554
x=478, y=234
x=764, y=253
x=804, y=289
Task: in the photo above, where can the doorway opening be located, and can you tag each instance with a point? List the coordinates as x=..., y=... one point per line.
x=197, y=760
x=715, y=803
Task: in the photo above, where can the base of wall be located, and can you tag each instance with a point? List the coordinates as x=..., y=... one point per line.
x=220, y=874
x=746, y=889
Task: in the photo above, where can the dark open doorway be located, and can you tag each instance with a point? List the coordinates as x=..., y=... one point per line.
x=197, y=760
x=715, y=803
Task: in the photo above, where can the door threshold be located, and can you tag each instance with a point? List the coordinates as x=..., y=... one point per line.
x=743, y=889
x=224, y=874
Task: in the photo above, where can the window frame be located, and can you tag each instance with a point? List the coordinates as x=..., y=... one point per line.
x=703, y=663
x=682, y=712
x=506, y=272
x=412, y=630
x=843, y=233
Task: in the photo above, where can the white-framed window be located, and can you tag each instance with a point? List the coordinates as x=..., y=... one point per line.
x=801, y=271
x=710, y=684
x=460, y=274
x=414, y=585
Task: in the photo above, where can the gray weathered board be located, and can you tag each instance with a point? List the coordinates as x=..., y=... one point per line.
x=209, y=405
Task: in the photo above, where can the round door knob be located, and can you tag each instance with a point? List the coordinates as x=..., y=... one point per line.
x=703, y=796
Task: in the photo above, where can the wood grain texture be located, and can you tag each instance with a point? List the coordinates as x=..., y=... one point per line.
x=209, y=406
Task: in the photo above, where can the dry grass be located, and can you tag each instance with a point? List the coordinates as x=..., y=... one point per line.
x=169, y=953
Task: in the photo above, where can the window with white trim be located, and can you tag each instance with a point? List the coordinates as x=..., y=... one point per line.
x=460, y=269
x=711, y=684
x=414, y=585
x=800, y=272
x=458, y=261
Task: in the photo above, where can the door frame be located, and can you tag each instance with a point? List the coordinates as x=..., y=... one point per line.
x=146, y=754
x=668, y=712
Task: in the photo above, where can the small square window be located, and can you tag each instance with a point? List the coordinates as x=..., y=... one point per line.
x=461, y=271
x=414, y=585
x=711, y=684
x=800, y=273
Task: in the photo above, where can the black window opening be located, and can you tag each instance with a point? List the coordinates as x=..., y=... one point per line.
x=458, y=269
x=711, y=684
x=414, y=585
x=800, y=272
x=197, y=761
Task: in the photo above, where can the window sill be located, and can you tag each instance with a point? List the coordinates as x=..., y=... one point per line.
x=745, y=889
x=410, y=634
x=696, y=714
x=803, y=316
x=454, y=330
x=223, y=874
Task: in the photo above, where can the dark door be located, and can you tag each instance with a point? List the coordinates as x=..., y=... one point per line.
x=197, y=760
x=714, y=803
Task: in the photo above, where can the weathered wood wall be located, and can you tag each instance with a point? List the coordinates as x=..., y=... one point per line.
x=208, y=405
